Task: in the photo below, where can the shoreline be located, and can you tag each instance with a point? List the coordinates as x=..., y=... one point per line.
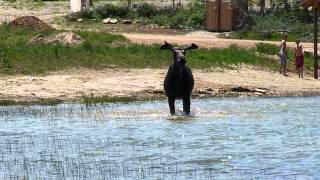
x=128, y=85
x=133, y=99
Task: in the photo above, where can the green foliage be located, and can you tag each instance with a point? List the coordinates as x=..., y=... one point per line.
x=229, y=58
x=5, y=62
x=92, y=99
x=102, y=50
x=290, y=18
x=146, y=10
x=267, y=49
x=110, y=10
x=192, y=16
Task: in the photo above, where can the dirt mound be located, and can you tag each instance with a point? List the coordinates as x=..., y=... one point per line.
x=61, y=38
x=31, y=22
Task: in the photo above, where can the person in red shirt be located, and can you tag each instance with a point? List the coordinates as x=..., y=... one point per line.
x=299, y=58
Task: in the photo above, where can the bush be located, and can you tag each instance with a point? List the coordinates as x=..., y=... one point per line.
x=166, y=10
x=295, y=21
x=80, y=15
x=146, y=10
x=193, y=16
x=177, y=21
x=161, y=20
x=110, y=10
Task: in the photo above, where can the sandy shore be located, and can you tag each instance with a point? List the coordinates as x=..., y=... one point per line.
x=73, y=85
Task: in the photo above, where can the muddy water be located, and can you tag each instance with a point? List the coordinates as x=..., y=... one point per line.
x=276, y=138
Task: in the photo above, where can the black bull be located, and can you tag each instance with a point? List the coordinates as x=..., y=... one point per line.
x=179, y=81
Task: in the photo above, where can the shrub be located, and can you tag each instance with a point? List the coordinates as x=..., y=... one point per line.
x=160, y=20
x=177, y=21
x=146, y=10
x=110, y=10
x=87, y=14
x=166, y=10
x=192, y=16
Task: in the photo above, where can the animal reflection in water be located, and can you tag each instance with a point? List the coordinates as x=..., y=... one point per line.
x=179, y=82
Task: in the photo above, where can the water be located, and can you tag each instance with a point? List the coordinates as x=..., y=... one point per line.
x=276, y=138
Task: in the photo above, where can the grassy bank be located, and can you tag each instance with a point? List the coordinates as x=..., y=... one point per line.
x=99, y=51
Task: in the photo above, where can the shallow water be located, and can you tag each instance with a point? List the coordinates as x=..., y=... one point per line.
x=275, y=138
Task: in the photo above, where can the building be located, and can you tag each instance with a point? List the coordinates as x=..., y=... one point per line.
x=224, y=15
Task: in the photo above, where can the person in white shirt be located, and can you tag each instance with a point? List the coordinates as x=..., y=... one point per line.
x=283, y=55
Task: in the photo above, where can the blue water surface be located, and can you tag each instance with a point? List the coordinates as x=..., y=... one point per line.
x=232, y=138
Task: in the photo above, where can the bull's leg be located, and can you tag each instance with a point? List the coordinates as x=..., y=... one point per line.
x=171, y=101
x=186, y=105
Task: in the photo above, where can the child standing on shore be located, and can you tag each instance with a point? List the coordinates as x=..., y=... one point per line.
x=299, y=58
x=283, y=55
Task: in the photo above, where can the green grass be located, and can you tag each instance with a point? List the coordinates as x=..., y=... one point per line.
x=263, y=35
x=267, y=48
x=91, y=100
x=44, y=102
x=18, y=56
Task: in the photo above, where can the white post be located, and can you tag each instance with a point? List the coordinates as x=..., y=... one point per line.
x=75, y=5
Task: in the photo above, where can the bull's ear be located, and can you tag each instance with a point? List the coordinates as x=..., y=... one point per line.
x=193, y=46
x=166, y=45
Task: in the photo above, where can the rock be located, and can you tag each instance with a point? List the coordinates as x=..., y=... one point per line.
x=210, y=89
x=112, y=66
x=61, y=38
x=36, y=38
x=138, y=21
x=260, y=90
x=158, y=91
x=79, y=20
x=259, y=94
x=110, y=21
x=201, y=92
x=114, y=21
x=227, y=35
x=240, y=89
x=126, y=22
x=106, y=21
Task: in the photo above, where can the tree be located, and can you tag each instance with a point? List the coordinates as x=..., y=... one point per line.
x=262, y=4
x=173, y=4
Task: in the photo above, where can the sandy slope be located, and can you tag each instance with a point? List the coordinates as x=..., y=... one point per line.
x=73, y=84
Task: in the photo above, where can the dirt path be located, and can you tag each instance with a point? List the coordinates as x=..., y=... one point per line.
x=73, y=84
x=205, y=40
